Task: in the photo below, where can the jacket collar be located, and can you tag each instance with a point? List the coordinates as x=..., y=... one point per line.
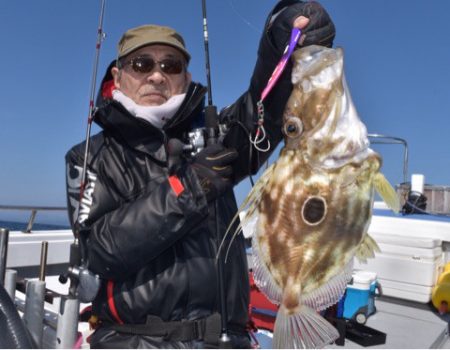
x=139, y=134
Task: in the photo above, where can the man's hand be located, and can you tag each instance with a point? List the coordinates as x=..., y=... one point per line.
x=213, y=168
x=314, y=21
x=301, y=22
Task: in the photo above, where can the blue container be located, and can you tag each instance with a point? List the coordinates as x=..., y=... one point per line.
x=359, y=300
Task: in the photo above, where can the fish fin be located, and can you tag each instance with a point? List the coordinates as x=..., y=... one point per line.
x=331, y=292
x=255, y=193
x=250, y=202
x=237, y=231
x=248, y=217
x=262, y=276
x=240, y=226
x=305, y=330
x=367, y=249
x=387, y=192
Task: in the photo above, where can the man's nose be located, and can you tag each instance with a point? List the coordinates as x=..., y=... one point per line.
x=156, y=76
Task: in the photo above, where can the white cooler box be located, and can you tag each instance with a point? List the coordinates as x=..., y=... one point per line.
x=407, y=267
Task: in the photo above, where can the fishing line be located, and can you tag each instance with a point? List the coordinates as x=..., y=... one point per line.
x=250, y=149
x=256, y=30
x=230, y=2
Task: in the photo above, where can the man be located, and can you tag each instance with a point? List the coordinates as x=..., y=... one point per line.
x=147, y=217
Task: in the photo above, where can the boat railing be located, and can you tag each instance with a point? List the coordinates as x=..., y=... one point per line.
x=384, y=139
x=34, y=210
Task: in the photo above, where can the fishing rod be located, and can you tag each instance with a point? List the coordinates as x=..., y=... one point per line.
x=84, y=284
x=85, y=291
x=211, y=125
x=211, y=117
x=100, y=37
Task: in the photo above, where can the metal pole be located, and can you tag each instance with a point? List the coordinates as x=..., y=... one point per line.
x=10, y=283
x=33, y=316
x=66, y=330
x=4, y=236
x=31, y=221
x=43, y=264
x=383, y=139
x=34, y=302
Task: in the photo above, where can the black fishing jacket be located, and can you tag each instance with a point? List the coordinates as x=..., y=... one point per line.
x=151, y=236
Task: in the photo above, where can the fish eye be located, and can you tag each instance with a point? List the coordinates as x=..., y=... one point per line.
x=293, y=127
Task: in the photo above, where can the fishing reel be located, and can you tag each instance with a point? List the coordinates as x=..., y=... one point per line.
x=84, y=283
x=88, y=284
x=197, y=139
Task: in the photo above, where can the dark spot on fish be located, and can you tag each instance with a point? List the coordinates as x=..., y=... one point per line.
x=314, y=210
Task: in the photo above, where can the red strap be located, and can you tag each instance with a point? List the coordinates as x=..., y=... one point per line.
x=176, y=185
x=111, y=304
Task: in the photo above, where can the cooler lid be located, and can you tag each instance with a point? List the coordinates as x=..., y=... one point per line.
x=416, y=288
x=419, y=242
x=363, y=276
x=410, y=252
x=362, y=279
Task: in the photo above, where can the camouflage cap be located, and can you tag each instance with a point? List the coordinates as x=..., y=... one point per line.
x=150, y=34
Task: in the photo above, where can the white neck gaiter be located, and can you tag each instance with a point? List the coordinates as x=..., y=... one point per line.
x=156, y=115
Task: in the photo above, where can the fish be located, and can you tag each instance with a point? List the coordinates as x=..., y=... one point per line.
x=313, y=205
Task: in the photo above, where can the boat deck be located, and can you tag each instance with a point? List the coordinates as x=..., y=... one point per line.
x=407, y=325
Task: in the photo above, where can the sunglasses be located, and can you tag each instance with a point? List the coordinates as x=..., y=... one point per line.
x=145, y=64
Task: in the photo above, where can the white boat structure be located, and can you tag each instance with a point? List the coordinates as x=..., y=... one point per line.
x=415, y=249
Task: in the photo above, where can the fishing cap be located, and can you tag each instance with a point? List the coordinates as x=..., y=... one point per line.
x=150, y=34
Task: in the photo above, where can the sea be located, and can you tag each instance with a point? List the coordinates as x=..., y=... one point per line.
x=20, y=226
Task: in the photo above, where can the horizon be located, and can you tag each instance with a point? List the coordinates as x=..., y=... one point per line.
x=397, y=71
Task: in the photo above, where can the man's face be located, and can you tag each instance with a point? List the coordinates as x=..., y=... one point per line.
x=155, y=87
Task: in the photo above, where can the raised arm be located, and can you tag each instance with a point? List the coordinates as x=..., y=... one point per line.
x=317, y=28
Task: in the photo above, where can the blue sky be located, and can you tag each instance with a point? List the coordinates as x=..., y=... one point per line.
x=397, y=56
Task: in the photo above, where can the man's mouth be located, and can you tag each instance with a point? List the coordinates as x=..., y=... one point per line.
x=153, y=98
x=155, y=94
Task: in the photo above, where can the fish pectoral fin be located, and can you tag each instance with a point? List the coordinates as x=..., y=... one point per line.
x=367, y=249
x=387, y=192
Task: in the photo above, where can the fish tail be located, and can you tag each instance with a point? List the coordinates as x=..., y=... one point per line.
x=387, y=192
x=304, y=330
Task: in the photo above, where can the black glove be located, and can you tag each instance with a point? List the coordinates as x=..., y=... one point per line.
x=213, y=168
x=319, y=31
